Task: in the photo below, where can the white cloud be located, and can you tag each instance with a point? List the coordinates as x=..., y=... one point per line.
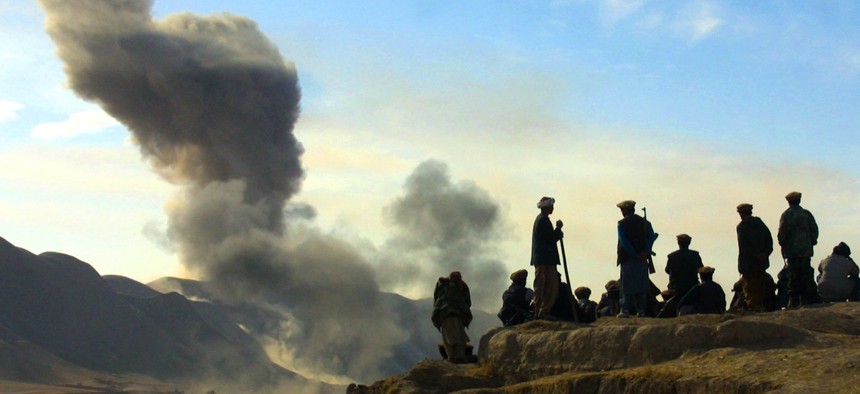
x=612, y=11
x=704, y=26
x=9, y=110
x=87, y=122
x=693, y=22
x=699, y=21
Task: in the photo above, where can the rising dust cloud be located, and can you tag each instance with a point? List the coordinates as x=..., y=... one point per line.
x=212, y=105
x=438, y=227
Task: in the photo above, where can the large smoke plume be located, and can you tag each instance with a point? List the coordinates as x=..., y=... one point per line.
x=212, y=105
x=441, y=226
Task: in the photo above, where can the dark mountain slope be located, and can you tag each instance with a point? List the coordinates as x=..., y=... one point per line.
x=129, y=287
x=58, y=314
x=64, y=306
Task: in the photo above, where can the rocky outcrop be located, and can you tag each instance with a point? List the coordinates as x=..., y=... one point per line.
x=814, y=349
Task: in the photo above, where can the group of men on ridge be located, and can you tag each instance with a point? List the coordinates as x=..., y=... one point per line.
x=634, y=293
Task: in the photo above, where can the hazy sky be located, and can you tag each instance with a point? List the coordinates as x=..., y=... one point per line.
x=688, y=108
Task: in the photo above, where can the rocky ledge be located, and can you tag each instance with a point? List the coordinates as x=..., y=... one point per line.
x=813, y=349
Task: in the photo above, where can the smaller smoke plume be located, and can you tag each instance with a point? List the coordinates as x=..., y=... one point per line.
x=440, y=227
x=154, y=231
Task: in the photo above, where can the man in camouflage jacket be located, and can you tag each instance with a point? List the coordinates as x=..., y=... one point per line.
x=797, y=235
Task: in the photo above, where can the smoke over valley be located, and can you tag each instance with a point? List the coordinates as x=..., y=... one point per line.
x=439, y=227
x=212, y=105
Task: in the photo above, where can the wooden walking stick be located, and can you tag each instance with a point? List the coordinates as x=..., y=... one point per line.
x=569, y=285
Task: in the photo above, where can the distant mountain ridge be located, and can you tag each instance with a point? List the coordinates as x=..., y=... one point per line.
x=63, y=305
x=54, y=305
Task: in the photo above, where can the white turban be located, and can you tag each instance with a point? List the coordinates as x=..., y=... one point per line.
x=545, y=202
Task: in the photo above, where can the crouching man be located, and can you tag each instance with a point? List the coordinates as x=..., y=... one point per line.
x=706, y=297
x=515, y=301
x=452, y=314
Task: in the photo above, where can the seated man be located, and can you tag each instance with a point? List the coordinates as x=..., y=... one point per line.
x=670, y=304
x=563, y=308
x=706, y=297
x=515, y=301
x=610, y=301
x=653, y=306
x=738, y=304
x=838, y=280
x=588, y=307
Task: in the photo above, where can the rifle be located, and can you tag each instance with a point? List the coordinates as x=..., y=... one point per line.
x=651, y=253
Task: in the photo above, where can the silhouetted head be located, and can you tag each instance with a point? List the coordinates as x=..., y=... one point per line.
x=546, y=205
x=842, y=249
x=684, y=240
x=706, y=273
x=456, y=277
x=582, y=293
x=745, y=210
x=793, y=198
x=612, y=288
x=628, y=207
x=520, y=276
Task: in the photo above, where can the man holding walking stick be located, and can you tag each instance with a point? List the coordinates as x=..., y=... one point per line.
x=545, y=258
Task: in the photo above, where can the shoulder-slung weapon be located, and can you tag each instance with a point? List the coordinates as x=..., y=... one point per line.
x=651, y=253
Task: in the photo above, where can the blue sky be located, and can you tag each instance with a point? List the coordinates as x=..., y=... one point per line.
x=689, y=107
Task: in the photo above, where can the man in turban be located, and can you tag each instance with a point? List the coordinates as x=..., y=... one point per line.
x=515, y=300
x=545, y=258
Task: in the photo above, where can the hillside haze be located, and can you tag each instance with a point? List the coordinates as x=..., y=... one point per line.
x=61, y=323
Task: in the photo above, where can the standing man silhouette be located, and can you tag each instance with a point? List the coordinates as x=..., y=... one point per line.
x=755, y=244
x=635, y=239
x=798, y=233
x=545, y=258
x=682, y=266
